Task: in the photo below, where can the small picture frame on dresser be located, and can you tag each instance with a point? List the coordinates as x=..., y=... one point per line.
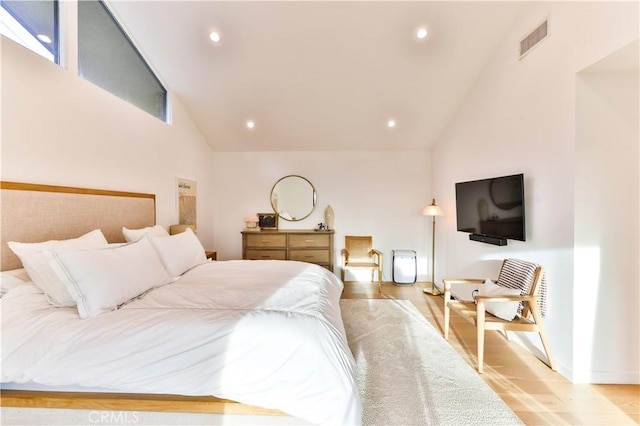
x=267, y=221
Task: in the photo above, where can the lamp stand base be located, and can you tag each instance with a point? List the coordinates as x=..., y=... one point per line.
x=433, y=290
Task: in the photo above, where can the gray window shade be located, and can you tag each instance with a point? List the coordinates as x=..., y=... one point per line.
x=108, y=58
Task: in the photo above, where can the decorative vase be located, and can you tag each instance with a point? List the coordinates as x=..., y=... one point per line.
x=483, y=209
x=328, y=217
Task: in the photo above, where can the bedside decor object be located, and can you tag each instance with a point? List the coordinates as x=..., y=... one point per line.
x=251, y=222
x=178, y=229
x=268, y=221
x=433, y=210
x=329, y=216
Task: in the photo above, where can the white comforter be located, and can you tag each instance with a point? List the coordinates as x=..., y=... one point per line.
x=265, y=333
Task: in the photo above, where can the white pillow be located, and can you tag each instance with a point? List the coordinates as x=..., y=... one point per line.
x=100, y=280
x=12, y=279
x=37, y=264
x=505, y=310
x=179, y=252
x=131, y=235
x=21, y=274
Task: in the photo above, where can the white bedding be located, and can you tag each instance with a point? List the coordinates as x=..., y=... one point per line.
x=265, y=333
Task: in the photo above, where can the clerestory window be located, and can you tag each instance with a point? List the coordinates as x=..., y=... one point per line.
x=108, y=58
x=33, y=24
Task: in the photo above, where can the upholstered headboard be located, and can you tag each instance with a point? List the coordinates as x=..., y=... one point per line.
x=34, y=213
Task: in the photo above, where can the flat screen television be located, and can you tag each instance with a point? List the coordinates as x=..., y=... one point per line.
x=492, y=207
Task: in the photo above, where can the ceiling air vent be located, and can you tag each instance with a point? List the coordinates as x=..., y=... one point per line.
x=535, y=37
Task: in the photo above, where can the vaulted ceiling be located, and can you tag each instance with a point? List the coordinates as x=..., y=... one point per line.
x=318, y=75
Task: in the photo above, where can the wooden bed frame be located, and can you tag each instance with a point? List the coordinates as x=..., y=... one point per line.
x=34, y=213
x=128, y=402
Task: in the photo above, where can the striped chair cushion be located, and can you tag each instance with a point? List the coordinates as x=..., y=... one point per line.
x=518, y=274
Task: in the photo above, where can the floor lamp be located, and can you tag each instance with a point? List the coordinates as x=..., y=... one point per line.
x=433, y=210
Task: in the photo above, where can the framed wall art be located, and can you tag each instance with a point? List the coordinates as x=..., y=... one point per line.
x=186, y=191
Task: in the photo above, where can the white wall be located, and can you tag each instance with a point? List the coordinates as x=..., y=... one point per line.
x=521, y=117
x=372, y=193
x=606, y=223
x=62, y=130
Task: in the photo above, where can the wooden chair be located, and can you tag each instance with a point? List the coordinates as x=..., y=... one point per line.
x=358, y=253
x=514, y=273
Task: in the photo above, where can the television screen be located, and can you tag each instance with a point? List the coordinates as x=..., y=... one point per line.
x=492, y=207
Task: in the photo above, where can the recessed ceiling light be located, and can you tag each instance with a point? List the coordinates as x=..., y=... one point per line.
x=214, y=36
x=44, y=38
x=250, y=124
x=391, y=123
x=421, y=33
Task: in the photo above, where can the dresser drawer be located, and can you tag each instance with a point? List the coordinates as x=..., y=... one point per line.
x=299, y=245
x=265, y=240
x=308, y=240
x=257, y=254
x=311, y=256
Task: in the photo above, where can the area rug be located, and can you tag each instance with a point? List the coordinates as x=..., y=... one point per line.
x=409, y=375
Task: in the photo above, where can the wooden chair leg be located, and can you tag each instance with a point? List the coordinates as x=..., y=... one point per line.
x=379, y=280
x=543, y=334
x=447, y=311
x=342, y=274
x=480, y=330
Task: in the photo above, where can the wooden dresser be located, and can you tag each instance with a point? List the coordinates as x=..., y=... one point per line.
x=303, y=245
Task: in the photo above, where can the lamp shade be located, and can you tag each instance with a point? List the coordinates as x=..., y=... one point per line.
x=432, y=210
x=178, y=229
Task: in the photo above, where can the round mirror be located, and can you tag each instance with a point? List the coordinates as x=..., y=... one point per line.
x=293, y=198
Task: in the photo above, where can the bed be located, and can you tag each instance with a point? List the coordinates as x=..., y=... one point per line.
x=239, y=336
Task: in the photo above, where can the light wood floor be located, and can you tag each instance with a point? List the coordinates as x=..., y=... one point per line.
x=536, y=394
